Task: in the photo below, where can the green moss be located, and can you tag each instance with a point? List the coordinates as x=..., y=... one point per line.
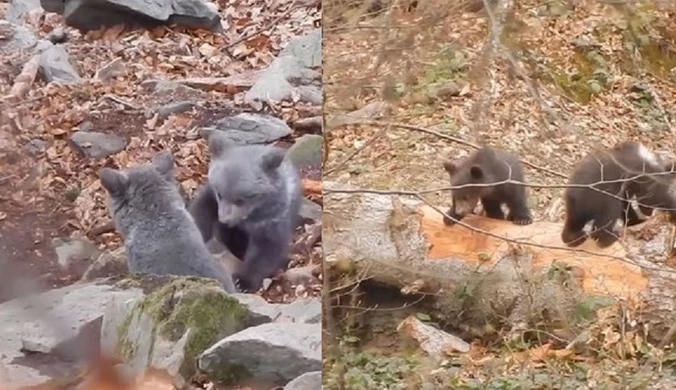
x=586, y=78
x=648, y=36
x=448, y=64
x=182, y=304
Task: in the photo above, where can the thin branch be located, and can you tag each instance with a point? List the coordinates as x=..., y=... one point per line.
x=294, y=6
x=457, y=140
x=359, y=149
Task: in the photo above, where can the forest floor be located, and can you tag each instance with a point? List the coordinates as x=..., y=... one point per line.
x=565, y=77
x=50, y=189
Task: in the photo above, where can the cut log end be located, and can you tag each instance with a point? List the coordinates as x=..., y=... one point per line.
x=603, y=271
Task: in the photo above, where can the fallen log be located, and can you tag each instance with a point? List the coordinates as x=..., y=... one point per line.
x=495, y=270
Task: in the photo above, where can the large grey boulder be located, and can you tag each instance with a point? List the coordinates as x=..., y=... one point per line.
x=53, y=323
x=94, y=14
x=19, y=8
x=249, y=128
x=276, y=353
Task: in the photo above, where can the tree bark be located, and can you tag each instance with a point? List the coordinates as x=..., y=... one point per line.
x=404, y=243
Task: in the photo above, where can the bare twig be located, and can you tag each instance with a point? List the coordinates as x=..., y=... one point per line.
x=273, y=24
x=449, y=138
x=359, y=149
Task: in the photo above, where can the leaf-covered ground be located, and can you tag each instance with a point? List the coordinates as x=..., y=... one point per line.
x=576, y=75
x=55, y=192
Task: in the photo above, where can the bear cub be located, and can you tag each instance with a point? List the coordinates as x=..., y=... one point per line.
x=618, y=174
x=160, y=236
x=484, y=166
x=250, y=202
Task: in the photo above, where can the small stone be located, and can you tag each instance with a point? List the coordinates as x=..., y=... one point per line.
x=35, y=146
x=174, y=108
x=98, y=145
x=300, y=275
x=307, y=150
x=448, y=89
x=55, y=66
x=85, y=126
x=74, y=252
x=58, y=35
x=310, y=211
x=107, y=264
x=307, y=48
x=111, y=70
x=163, y=86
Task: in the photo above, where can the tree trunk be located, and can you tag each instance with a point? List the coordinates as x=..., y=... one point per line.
x=476, y=278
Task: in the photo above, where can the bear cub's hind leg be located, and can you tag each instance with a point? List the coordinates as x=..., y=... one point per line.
x=493, y=208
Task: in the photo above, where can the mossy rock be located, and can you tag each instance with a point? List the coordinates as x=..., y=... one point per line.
x=185, y=315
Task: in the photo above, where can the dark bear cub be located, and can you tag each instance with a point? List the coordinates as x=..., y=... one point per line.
x=627, y=170
x=484, y=166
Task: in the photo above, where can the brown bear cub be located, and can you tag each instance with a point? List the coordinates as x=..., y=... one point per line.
x=621, y=173
x=484, y=166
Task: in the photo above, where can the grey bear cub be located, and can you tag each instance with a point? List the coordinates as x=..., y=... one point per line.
x=160, y=236
x=250, y=202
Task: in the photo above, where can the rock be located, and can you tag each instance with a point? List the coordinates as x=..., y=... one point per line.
x=446, y=90
x=276, y=352
x=35, y=146
x=58, y=35
x=75, y=254
x=89, y=15
x=111, y=70
x=164, y=86
x=299, y=275
x=107, y=264
x=167, y=329
x=310, y=211
x=98, y=145
x=19, y=8
x=174, y=108
x=307, y=150
x=308, y=49
x=432, y=340
x=85, y=126
x=275, y=84
x=16, y=38
x=247, y=128
x=307, y=381
x=55, y=66
x=260, y=310
x=310, y=125
x=302, y=310
x=50, y=322
x=371, y=111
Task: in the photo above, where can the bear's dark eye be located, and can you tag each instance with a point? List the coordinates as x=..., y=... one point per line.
x=239, y=202
x=218, y=196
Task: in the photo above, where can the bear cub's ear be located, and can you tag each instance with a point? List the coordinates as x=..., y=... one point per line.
x=476, y=172
x=115, y=182
x=219, y=144
x=163, y=162
x=273, y=158
x=449, y=166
